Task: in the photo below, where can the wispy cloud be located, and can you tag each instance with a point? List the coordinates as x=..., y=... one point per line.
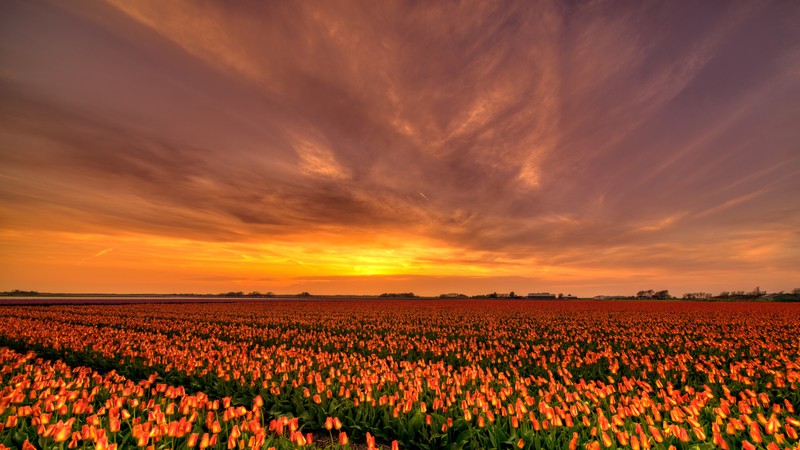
x=98, y=254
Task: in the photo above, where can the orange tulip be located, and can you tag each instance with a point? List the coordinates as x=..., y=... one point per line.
x=755, y=432
x=607, y=441
x=205, y=441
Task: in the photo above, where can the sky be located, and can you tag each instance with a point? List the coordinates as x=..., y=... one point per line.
x=337, y=147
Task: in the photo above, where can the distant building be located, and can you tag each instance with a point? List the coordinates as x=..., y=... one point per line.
x=453, y=295
x=542, y=296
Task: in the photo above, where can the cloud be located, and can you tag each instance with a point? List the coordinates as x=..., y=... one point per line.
x=102, y=252
x=317, y=160
x=98, y=254
x=566, y=138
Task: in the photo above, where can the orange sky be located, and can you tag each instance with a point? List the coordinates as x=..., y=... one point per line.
x=352, y=147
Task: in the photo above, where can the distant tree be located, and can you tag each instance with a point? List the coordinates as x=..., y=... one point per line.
x=20, y=292
x=512, y=295
x=254, y=294
x=793, y=296
x=697, y=296
x=662, y=295
x=304, y=294
x=646, y=294
x=492, y=295
x=757, y=292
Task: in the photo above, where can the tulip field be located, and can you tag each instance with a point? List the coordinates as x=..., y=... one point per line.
x=410, y=374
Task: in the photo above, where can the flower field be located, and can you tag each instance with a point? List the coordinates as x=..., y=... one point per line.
x=401, y=374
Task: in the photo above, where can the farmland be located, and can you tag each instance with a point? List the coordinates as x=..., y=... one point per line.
x=407, y=374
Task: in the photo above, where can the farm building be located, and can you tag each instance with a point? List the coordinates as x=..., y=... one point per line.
x=542, y=296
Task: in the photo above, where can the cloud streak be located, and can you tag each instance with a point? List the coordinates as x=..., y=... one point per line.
x=98, y=254
x=527, y=141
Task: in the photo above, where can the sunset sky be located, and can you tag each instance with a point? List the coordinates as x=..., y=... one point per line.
x=375, y=146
